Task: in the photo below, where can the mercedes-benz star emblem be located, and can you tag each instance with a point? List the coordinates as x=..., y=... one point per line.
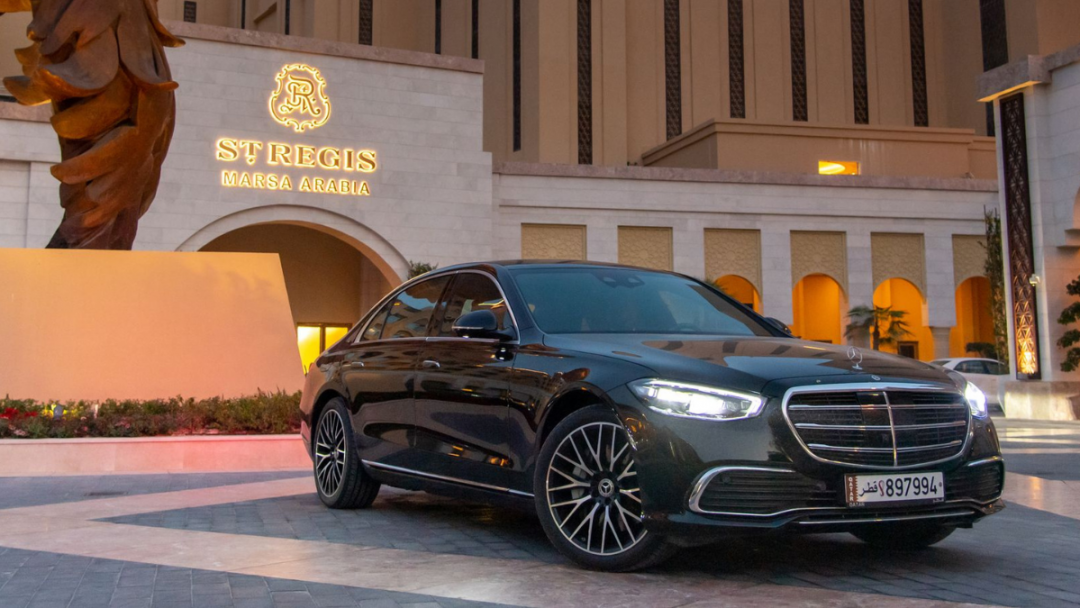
x=856, y=356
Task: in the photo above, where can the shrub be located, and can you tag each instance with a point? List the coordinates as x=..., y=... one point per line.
x=263, y=413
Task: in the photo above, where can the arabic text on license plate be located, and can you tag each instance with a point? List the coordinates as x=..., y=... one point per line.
x=894, y=487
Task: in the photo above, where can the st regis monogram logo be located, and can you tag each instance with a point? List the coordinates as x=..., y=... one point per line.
x=300, y=99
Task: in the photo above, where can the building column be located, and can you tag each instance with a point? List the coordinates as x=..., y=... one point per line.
x=941, y=341
x=860, y=277
x=776, y=274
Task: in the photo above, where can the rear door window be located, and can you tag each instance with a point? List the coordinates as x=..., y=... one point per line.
x=472, y=292
x=410, y=312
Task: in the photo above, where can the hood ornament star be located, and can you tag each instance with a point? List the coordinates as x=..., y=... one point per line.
x=856, y=357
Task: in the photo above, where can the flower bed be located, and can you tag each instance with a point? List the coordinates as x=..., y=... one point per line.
x=264, y=413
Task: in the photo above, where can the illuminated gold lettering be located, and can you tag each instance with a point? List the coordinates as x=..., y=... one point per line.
x=245, y=180
x=226, y=150
x=365, y=161
x=279, y=154
x=305, y=156
x=228, y=179
x=305, y=184
x=251, y=150
x=349, y=160
x=364, y=190
x=331, y=186
x=320, y=184
x=330, y=158
x=286, y=183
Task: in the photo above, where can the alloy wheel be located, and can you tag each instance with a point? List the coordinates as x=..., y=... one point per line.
x=592, y=490
x=330, y=452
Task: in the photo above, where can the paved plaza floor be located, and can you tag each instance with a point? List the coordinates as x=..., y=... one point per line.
x=260, y=540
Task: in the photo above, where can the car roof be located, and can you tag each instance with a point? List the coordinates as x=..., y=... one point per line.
x=552, y=262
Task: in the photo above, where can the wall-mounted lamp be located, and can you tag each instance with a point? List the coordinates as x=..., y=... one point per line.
x=1034, y=280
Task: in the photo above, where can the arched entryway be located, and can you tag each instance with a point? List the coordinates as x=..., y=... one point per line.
x=330, y=283
x=974, y=318
x=818, y=304
x=903, y=295
x=740, y=289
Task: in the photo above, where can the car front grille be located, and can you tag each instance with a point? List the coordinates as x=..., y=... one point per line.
x=880, y=428
x=748, y=491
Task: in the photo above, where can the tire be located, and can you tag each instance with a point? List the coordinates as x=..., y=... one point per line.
x=903, y=537
x=579, y=485
x=340, y=478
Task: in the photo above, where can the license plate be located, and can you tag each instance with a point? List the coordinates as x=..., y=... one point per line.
x=894, y=488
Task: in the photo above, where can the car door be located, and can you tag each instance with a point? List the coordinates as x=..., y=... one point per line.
x=379, y=372
x=461, y=391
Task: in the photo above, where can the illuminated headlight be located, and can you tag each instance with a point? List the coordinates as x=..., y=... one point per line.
x=976, y=400
x=696, y=401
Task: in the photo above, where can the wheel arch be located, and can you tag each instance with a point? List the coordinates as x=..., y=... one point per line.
x=565, y=403
x=325, y=397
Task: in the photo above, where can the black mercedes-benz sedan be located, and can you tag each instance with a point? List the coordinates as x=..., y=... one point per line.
x=640, y=411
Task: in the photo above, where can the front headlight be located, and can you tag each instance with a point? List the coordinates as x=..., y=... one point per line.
x=696, y=401
x=976, y=400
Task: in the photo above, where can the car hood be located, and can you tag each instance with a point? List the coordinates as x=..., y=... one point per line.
x=758, y=364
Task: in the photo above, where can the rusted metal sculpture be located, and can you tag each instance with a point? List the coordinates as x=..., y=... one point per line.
x=101, y=63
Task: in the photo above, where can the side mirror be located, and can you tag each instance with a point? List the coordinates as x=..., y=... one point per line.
x=778, y=324
x=479, y=324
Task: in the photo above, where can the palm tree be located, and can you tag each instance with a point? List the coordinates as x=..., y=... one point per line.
x=885, y=325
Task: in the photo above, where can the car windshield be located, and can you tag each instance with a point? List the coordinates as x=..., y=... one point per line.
x=572, y=300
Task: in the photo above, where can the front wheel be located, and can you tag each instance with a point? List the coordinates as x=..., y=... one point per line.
x=588, y=496
x=903, y=537
x=340, y=478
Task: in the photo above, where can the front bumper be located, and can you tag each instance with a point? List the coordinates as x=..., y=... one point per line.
x=686, y=466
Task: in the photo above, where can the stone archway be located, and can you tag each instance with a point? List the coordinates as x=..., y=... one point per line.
x=818, y=304
x=900, y=294
x=334, y=268
x=390, y=262
x=741, y=289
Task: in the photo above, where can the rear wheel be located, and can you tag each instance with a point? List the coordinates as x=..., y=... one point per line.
x=340, y=478
x=588, y=497
x=903, y=537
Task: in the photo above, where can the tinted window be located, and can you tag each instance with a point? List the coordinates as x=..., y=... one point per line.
x=622, y=300
x=411, y=310
x=997, y=368
x=473, y=292
x=374, y=329
x=971, y=367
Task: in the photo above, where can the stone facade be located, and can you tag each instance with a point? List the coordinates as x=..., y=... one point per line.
x=436, y=197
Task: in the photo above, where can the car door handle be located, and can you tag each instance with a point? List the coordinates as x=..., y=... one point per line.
x=354, y=360
x=431, y=364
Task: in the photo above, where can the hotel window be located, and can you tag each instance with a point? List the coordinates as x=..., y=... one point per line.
x=918, y=63
x=367, y=8
x=860, y=88
x=438, y=27
x=190, y=11
x=995, y=44
x=475, y=29
x=314, y=338
x=673, y=68
x=837, y=167
x=736, y=74
x=517, y=74
x=797, y=19
x=584, y=68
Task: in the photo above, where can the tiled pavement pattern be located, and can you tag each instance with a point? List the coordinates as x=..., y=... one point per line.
x=30, y=491
x=996, y=563
x=30, y=579
x=1022, y=557
x=415, y=521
